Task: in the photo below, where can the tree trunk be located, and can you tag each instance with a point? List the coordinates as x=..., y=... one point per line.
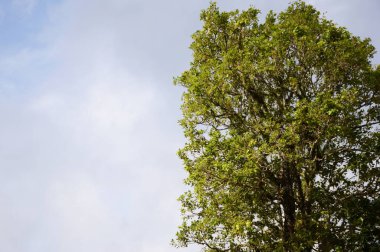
x=288, y=203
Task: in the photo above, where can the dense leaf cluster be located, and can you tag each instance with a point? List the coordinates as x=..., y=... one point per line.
x=282, y=121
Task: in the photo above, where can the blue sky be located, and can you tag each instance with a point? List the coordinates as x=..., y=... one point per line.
x=89, y=118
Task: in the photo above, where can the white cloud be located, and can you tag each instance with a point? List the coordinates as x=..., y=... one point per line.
x=98, y=166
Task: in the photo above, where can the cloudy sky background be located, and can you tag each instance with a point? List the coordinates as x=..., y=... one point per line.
x=89, y=131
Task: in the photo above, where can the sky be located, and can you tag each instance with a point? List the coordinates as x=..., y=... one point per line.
x=89, y=132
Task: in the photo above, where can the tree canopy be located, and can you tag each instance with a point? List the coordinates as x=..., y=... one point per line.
x=282, y=125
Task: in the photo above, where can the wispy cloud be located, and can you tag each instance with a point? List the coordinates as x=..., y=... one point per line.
x=24, y=6
x=86, y=142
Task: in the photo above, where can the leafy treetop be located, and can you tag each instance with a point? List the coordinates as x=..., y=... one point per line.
x=282, y=121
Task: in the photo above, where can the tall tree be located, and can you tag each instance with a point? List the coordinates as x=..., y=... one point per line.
x=282, y=121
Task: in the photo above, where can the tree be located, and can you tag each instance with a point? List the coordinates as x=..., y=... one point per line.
x=282, y=121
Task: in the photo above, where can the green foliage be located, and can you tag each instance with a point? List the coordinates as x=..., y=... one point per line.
x=282, y=121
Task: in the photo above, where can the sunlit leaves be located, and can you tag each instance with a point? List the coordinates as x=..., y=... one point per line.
x=282, y=121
